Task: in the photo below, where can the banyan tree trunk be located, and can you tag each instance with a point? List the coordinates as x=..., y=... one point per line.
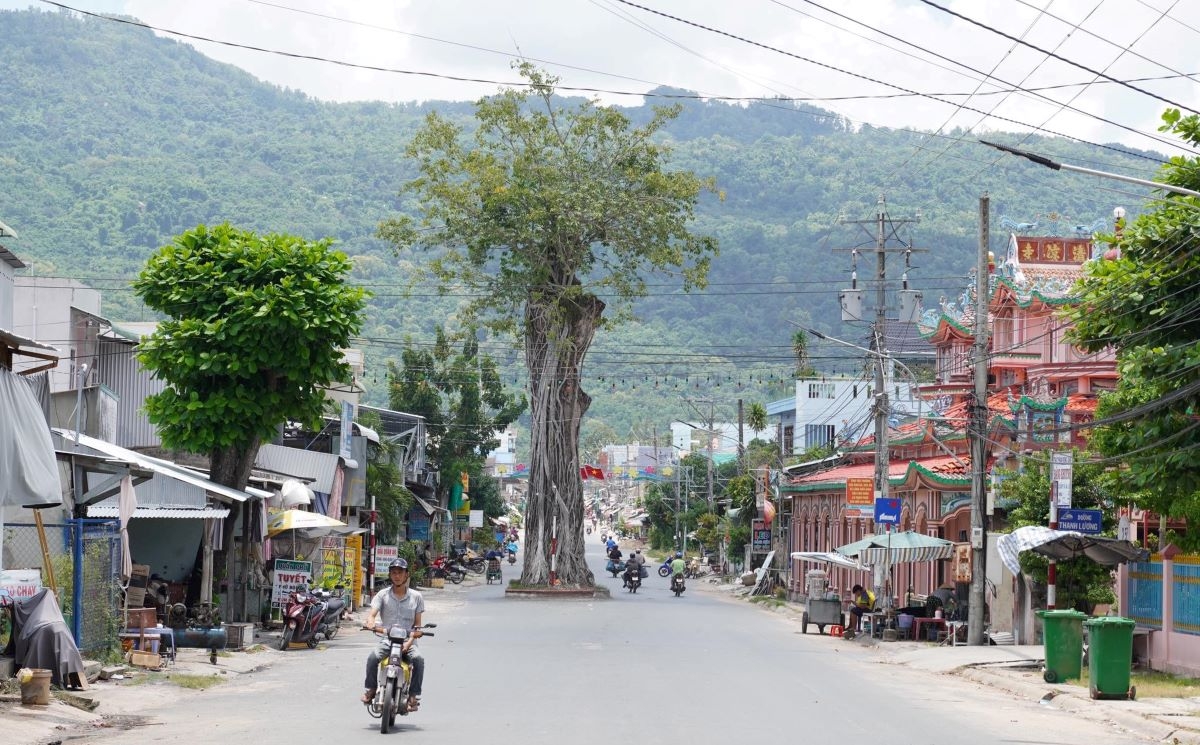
x=556, y=341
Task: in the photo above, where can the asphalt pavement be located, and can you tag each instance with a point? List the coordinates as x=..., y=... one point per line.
x=621, y=651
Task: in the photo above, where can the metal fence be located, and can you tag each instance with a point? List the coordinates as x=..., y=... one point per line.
x=1186, y=607
x=85, y=557
x=1146, y=592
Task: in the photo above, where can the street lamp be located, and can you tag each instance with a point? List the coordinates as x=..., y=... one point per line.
x=1042, y=160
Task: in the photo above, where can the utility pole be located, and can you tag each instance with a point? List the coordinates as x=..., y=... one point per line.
x=885, y=229
x=977, y=600
x=741, y=439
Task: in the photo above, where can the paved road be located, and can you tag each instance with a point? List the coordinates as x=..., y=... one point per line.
x=644, y=668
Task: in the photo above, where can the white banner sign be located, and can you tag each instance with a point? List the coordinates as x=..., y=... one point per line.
x=289, y=575
x=384, y=555
x=476, y=519
x=20, y=583
x=1061, y=471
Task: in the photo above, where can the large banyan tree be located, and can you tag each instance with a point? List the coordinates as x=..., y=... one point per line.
x=538, y=212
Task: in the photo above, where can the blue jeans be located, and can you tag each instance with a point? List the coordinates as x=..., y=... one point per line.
x=381, y=651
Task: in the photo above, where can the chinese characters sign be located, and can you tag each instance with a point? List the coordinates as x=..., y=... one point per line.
x=1054, y=250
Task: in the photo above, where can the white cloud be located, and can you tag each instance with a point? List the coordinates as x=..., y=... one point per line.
x=631, y=45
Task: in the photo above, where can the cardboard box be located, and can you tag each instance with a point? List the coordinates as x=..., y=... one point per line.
x=140, y=618
x=148, y=660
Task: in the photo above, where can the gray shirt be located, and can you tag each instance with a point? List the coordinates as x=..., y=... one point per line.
x=392, y=611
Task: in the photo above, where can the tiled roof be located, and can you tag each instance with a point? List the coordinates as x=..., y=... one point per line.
x=945, y=467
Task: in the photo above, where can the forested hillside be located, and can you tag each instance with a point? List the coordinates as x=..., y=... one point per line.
x=113, y=140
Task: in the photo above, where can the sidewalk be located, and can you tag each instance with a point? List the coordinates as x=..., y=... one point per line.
x=1016, y=670
x=147, y=691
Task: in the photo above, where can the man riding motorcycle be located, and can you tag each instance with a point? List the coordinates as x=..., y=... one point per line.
x=396, y=605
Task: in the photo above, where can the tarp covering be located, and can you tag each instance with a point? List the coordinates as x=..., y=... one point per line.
x=1061, y=545
x=44, y=641
x=827, y=557
x=28, y=471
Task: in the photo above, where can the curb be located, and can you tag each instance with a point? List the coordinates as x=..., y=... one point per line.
x=1140, y=723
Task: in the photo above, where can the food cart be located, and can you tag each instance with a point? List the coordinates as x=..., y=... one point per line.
x=821, y=606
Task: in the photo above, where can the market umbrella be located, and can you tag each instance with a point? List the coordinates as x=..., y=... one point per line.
x=1061, y=545
x=308, y=524
x=898, y=548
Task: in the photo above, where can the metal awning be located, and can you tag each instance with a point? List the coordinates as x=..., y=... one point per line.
x=172, y=513
x=427, y=507
x=157, y=466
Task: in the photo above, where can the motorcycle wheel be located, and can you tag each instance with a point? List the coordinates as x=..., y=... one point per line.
x=457, y=577
x=286, y=639
x=663, y=571
x=388, y=707
x=332, y=629
x=312, y=642
x=478, y=567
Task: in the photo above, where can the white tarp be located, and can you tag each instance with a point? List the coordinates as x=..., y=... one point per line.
x=28, y=471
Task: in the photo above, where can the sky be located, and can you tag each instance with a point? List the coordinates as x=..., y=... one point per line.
x=789, y=48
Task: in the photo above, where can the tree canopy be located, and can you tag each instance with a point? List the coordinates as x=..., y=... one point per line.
x=1143, y=303
x=541, y=212
x=255, y=327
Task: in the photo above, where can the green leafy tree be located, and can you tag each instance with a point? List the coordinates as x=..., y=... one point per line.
x=253, y=332
x=543, y=211
x=1080, y=582
x=1143, y=304
x=465, y=405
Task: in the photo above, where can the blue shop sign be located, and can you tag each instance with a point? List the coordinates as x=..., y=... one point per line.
x=1080, y=521
x=887, y=510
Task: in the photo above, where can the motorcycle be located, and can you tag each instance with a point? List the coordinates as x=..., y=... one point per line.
x=451, y=571
x=615, y=567
x=395, y=678
x=677, y=585
x=309, y=617
x=633, y=579
x=664, y=569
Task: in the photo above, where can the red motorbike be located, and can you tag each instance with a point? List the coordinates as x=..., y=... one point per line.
x=309, y=617
x=450, y=570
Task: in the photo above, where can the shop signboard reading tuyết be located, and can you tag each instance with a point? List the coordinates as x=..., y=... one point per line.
x=289, y=574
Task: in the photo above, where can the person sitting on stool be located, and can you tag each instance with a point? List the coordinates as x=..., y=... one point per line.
x=864, y=602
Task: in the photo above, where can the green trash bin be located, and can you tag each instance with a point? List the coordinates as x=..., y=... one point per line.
x=1110, y=654
x=1062, y=634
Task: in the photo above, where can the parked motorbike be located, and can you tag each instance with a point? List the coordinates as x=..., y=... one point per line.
x=395, y=679
x=677, y=585
x=451, y=571
x=309, y=617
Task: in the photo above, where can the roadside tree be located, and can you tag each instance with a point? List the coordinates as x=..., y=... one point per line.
x=545, y=210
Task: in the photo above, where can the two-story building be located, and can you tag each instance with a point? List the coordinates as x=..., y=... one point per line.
x=1038, y=384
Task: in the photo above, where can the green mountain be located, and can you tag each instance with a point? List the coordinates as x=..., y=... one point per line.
x=113, y=140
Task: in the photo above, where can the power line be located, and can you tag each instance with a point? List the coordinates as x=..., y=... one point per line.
x=1058, y=57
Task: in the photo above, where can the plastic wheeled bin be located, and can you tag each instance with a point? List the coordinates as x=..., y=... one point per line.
x=1062, y=634
x=1110, y=653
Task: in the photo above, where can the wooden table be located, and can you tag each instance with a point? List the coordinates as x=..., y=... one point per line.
x=918, y=623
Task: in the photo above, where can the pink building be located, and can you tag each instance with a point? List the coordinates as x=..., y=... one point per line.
x=1037, y=384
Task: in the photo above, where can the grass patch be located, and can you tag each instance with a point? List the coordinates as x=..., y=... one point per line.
x=1154, y=684
x=144, y=679
x=223, y=653
x=768, y=600
x=195, y=682
x=255, y=648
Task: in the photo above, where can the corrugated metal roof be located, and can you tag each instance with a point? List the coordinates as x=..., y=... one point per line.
x=163, y=467
x=104, y=510
x=316, y=469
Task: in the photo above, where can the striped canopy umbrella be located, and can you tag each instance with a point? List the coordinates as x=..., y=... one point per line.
x=898, y=548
